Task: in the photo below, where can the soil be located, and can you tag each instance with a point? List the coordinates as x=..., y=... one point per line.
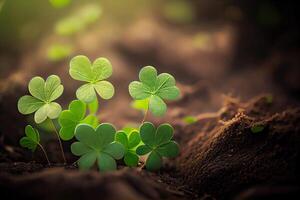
x=221, y=158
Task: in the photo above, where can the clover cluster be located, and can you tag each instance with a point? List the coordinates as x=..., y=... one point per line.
x=96, y=143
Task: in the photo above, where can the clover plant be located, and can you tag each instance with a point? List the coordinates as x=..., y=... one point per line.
x=41, y=102
x=130, y=141
x=158, y=143
x=100, y=143
x=97, y=145
x=82, y=69
x=257, y=128
x=75, y=115
x=155, y=87
x=32, y=140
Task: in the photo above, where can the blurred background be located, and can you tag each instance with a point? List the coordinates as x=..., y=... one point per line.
x=212, y=47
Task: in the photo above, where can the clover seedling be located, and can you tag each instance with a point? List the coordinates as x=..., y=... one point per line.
x=158, y=143
x=97, y=146
x=41, y=102
x=189, y=119
x=43, y=93
x=94, y=74
x=156, y=88
x=257, y=128
x=130, y=142
x=75, y=115
x=32, y=140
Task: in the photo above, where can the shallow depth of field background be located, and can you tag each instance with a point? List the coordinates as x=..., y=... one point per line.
x=213, y=48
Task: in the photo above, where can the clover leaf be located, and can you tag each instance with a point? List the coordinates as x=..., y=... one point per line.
x=155, y=87
x=32, y=138
x=82, y=69
x=75, y=115
x=97, y=146
x=130, y=142
x=43, y=93
x=158, y=143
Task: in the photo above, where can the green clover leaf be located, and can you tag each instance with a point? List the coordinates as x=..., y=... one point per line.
x=158, y=143
x=75, y=115
x=32, y=138
x=43, y=93
x=130, y=142
x=82, y=69
x=155, y=87
x=97, y=146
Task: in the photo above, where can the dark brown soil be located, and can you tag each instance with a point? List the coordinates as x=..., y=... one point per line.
x=230, y=157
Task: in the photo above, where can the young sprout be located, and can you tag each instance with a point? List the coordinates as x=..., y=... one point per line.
x=94, y=74
x=257, y=128
x=189, y=119
x=155, y=87
x=41, y=102
x=75, y=115
x=97, y=146
x=32, y=140
x=130, y=142
x=158, y=143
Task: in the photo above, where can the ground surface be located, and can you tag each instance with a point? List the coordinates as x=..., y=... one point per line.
x=220, y=157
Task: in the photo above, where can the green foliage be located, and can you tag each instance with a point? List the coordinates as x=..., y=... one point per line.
x=41, y=102
x=32, y=138
x=189, y=119
x=158, y=143
x=93, y=106
x=100, y=143
x=141, y=104
x=257, y=128
x=59, y=3
x=130, y=142
x=78, y=21
x=82, y=69
x=156, y=88
x=97, y=146
x=57, y=52
x=75, y=115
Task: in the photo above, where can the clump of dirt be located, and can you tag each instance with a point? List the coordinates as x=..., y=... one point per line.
x=72, y=184
x=230, y=157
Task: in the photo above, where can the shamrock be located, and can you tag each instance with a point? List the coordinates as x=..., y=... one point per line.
x=69, y=119
x=158, y=143
x=97, y=146
x=32, y=140
x=43, y=93
x=94, y=74
x=130, y=142
x=154, y=87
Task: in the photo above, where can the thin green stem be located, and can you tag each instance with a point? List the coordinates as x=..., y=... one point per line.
x=60, y=143
x=145, y=115
x=45, y=153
